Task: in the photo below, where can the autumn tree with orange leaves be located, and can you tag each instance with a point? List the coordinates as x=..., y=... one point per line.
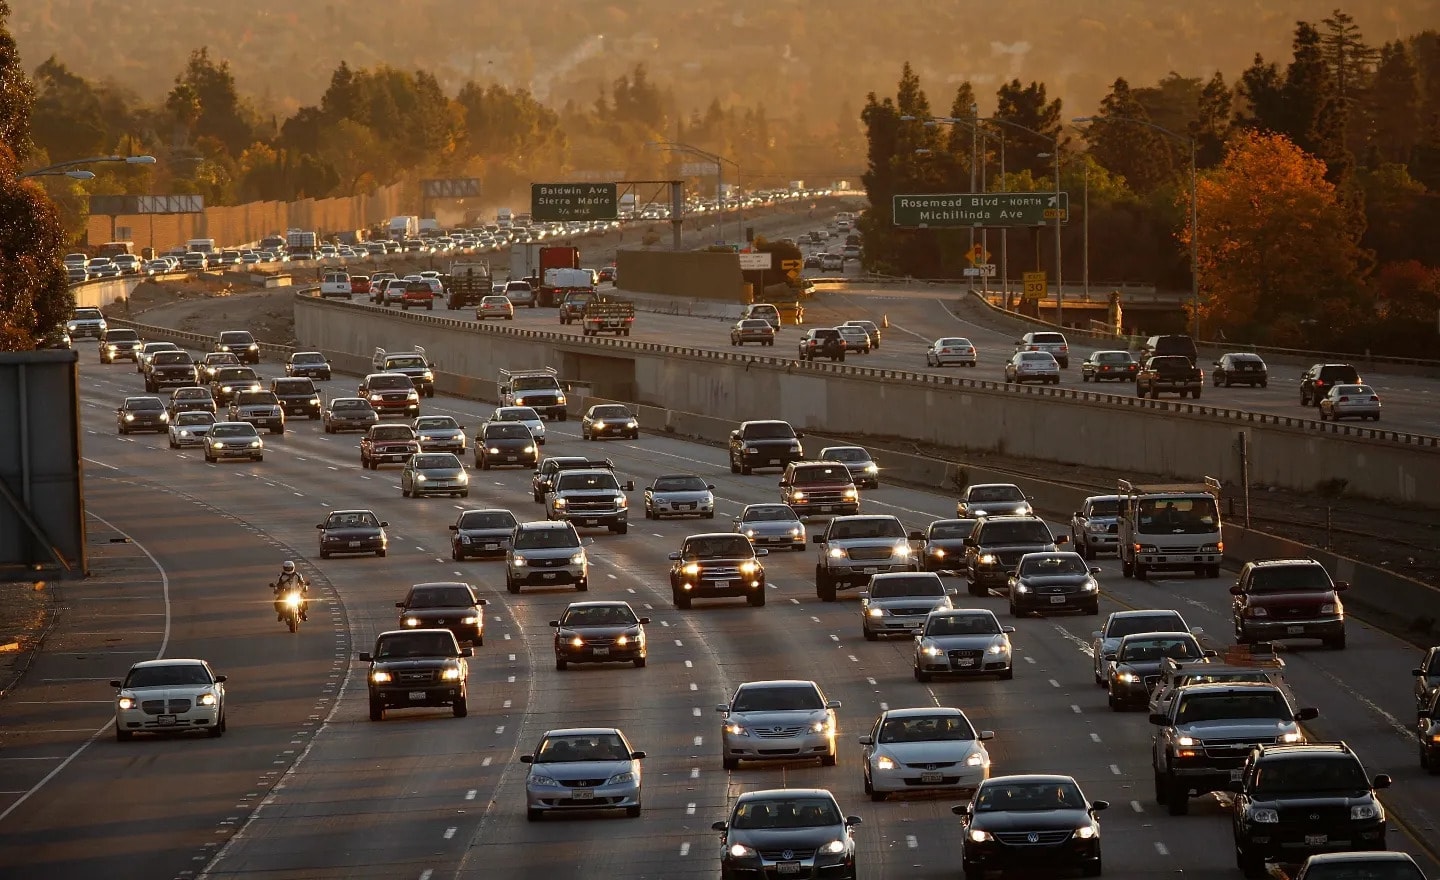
x=1279, y=260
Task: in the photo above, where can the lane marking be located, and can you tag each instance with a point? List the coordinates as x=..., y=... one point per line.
x=1161, y=848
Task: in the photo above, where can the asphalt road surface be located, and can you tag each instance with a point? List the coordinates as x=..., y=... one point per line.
x=304, y=786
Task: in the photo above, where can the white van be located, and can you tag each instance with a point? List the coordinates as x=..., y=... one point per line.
x=200, y=246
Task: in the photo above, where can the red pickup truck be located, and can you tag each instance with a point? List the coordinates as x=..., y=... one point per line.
x=417, y=294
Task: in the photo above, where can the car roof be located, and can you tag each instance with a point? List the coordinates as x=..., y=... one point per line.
x=354, y=510
x=406, y=632
x=1307, y=750
x=1170, y=634
x=1227, y=687
x=1094, y=498
x=701, y=535
x=429, y=584
x=1142, y=612
x=868, y=516
x=1361, y=856
x=777, y=794
x=580, y=731
x=1029, y=777
x=777, y=682
x=896, y=575
x=177, y=661
x=1277, y=563
x=961, y=612
x=924, y=712
x=540, y=524
x=599, y=603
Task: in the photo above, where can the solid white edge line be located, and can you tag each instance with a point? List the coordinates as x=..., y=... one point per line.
x=164, y=644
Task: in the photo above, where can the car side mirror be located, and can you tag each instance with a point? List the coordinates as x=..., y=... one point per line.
x=644, y=620
x=719, y=826
x=555, y=623
x=961, y=809
x=1197, y=630
x=1210, y=655
x=1237, y=590
x=527, y=759
x=782, y=484
x=365, y=657
x=762, y=552
x=722, y=708
x=1235, y=785
x=637, y=755
x=629, y=485
x=399, y=604
x=1099, y=805
x=1158, y=720
x=1417, y=671
x=917, y=536
x=467, y=652
x=384, y=524
x=866, y=740
x=675, y=556
x=482, y=602
x=1007, y=630
x=1341, y=586
x=1309, y=713
x=970, y=542
x=1095, y=570
x=1097, y=634
x=952, y=591
x=799, y=434
x=709, y=487
x=1381, y=781
x=832, y=704
x=1076, y=515
x=817, y=539
x=1107, y=655
x=319, y=525
x=1423, y=714
x=115, y=683
x=454, y=528
x=985, y=734
x=734, y=435
x=852, y=821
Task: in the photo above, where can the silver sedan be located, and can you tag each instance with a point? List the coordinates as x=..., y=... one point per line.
x=774, y=524
x=583, y=768
x=951, y=350
x=1350, y=402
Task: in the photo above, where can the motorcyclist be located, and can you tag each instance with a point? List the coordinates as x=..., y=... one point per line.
x=291, y=579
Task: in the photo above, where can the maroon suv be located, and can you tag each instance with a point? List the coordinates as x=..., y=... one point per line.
x=819, y=487
x=1287, y=599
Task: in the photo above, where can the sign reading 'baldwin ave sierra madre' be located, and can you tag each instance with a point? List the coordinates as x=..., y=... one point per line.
x=572, y=201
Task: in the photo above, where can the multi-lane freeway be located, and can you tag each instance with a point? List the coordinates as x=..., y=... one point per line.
x=304, y=786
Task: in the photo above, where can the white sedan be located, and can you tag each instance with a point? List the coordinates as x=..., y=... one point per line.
x=189, y=428
x=1033, y=366
x=525, y=415
x=165, y=696
x=495, y=307
x=951, y=350
x=933, y=748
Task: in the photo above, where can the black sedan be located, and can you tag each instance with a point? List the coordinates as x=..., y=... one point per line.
x=1036, y=822
x=944, y=548
x=1059, y=581
x=348, y=414
x=599, y=632
x=309, y=364
x=1240, y=368
x=298, y=397
x=506, y=443
x=1139, y=659
x=1427, y=728
x=795, y=832
x=448, y=605
x=352, y=531
x=481, y=533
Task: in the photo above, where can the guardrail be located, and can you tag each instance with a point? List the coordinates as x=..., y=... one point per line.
x=1241, y=418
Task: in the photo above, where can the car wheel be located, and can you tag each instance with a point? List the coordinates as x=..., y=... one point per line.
x=757, y=600
x=681, y=601
x=1007, y=674
x=381, y=553
x=973, y=872
x=533, y=815
x=1161, y=793
x=123, y=735
x=1092, y=869
x=461, y=708
x=869, y=635
x=730, y=763
x=377, y=709
x=829, y=760
x=921, y=675
x=404, y=493
x=825, y=589
x=640, y=662
x=1212, y=571
x=582, y=586
x=324, y=554
x=511, y=586
x=1177, y=797
x=1250, y=866
x=1093, y=608
x=734, y=468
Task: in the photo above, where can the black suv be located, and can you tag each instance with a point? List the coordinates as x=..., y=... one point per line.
x=764, y=443
x=1171, y=344
x=1317, y=381
x=298, y=396
x=822, y=342
x=1292, y=801
x=994, y=549
x=417, y=667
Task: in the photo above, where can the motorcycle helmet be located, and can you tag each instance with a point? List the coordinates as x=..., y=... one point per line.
x=288, y=567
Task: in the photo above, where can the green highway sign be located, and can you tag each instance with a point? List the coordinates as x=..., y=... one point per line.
x=572, y=201
x=968, y=210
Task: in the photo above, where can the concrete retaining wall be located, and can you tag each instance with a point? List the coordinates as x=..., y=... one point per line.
x=698, y=274
x=1077, y=427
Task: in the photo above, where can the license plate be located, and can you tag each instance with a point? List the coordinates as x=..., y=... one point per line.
x=787, y=868
x=1294, y=630
x=825, y=508
x=1316, y=839
x=354, y=543
x=1057, y=600
x=549, y=575
x=509, y=458
x=967, y=661
x=582, y=795
x=417, y=695
x=931, y=778
x=1236, y=774
x=721, y=585
x=492, y=546
x=600, y=652
x=871, y=569
x=590, y=522
x=165, y=720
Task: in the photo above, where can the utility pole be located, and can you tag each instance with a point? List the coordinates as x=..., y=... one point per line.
x=1059, y=285
x=974, y=161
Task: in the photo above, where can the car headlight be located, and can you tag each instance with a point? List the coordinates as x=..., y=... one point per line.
x=126, y=702
x=493, y=450
x=543, y=781
x=834, y=847
x=876, y=612
x=851, y=494
x=837, y=552
x=451, y=674
x=519, y=401
x=1259, y=612
x=1264, y=816
x=559, y=398
x=902, y=549
x=377, y=397
x=1365, y=811
x=578, y=558
x=427, y=376
x=412, y=621
x=1087, y=832
x=419, y=478
x=216, y=444
x=796, y=531
x=184, y=433
x=885, y=762
x=979, y=836
x=618, y=778
x=519, y=561
x=1127, y=677
x=1022, y=509
x=110, y=348
x=691, y=569
x=1293, y=736
x=997, y=648
x=741, y=851
x=632, y=424
x=1187, y=741
x=822, y=727
x=380, y=676
x=797, y=495
x=1328, y=608
x=937, y=552
x=987, y=559
x=975, y=759
x=751, y=450
x=412, y=396
x=255, y=444
x=164, y=417
x=314, y=401
x=622, y=502
x=871, y=468
x=470, y=620
x=129, y=417
x=1090, y=585
x=930, y=650
x=208, y=700
x=734, y=728
x=749, y=533
x=463, y=477
x=225, y=389
x=749, y=567
x=1021, y=588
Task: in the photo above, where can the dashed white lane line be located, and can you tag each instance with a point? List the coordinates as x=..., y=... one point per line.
x=912, y=841
x=694, y=686
x=470, y=795
x=1075, y=707
x=679, y=644
x=689, y=664
x=870, y=681
x=450, y=832
x=1094, y=737
x=1029, y=659
x=853, y=658
x=1115, y=769
x=1054, y=683
x=484, y=763
x=689, y=809
x=696, y=712
x=685, y=849
x=694, y=772
x=1161, y=848
x=1135, y=805
x=426, y=874
x=884, y=707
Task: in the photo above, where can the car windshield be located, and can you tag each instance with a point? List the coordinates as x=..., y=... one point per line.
x=804, y=476
x=163, y=358
x=348, y=403
x=440, y=597
x=194, y=418
x=294, y=386
x=1047, y=338
x=1341, y=773
x=435, y=461
x=986, y=494
x=769, y=431
x=1222, y=677
x=1113, y=357
x=168, y=676
x=1005, y=797
x=1048, y=566
x=1025, y=532
x=237, y=374
x=610, y=412
x=219, y=358
x=1104, y=508
x=415, y=644
x=1343, y=390
x=573, y=748
x=352, y=520
x=951, y=529
x=516, y=414
x=679, y=484
x=1379, y=869
x=778, y=698
x=307, y=358
x=431, y=423
x=798, y=812
x=586, y=482
x=391, y=383
x=926, y=728
x=233, y=430
x=392, y=432
x=599, y=615
x=718, y=547
x=768, y=513
x=406, y=362
x=255, y=398
x=1188, y=516
x=1145, y=623
x=487, y=519
x=962, y=625
x=504, y=431
x=1291, y=579
x=877, y=527
x=546, y=539
x=236, y=338
x=146, y=403
x=844, y=453
x=88, y=315
x=121, y=336
x=1232, y=706
x=890, y=587
x=1154, y=650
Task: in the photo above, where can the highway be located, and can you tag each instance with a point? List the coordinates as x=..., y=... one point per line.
x=304, y=786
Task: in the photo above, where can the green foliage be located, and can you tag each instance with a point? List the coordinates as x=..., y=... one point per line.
x=1122, y=141
x=34, y=295
x=17, y=93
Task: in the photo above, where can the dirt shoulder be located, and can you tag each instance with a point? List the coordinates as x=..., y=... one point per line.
x=208, y=305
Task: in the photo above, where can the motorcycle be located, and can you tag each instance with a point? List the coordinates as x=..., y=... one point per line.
x=292, y=604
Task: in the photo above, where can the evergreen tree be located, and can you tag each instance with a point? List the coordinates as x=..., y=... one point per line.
x=1122, y=141
x=1395, y=104
x=1314, y=117
x=17, y=93
x=1263, y=92
x=1214, y=121
x=1028, y=106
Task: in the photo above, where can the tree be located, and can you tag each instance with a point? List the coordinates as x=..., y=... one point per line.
x=1395, y=103
x=1351, y=62
x=206, y=100
x=34, y=295
x=1263, y=92
x=1278, y=259
x=1122, y=141
x=1407, y=298
x=1173, y=102
x=1214, y=122
x=1029, y=107
x=1315, y=116
x=17, y=93
x=67, y=121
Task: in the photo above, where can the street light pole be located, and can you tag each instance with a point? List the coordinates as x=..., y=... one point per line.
x=974, y=161
x=1086, y=236
x=70, y=168
x=1059, y=285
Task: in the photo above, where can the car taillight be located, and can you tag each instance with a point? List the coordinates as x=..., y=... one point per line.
x=1344, y=400
x=1375, y=398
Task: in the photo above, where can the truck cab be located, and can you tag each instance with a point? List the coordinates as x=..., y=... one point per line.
x=409, y=363
x=538, y=389
x=1170, y=527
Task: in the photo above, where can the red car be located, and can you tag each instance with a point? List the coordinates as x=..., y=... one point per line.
x=360, y=284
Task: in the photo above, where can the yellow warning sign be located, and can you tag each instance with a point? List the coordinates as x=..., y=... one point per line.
x=1034, y=285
